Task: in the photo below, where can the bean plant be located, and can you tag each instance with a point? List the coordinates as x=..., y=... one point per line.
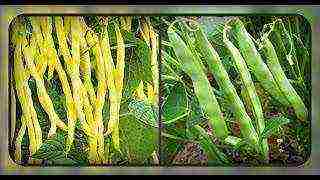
x=220, y=62
x=76, y=79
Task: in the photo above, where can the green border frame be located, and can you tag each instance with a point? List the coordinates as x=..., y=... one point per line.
x=311, y=13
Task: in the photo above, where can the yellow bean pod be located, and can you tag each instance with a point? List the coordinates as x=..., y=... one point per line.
x=43, y=96
x=139, y=92
x=85, y=66
x=126, y=23
x=145, y=31
x=154, y=64
x=72, y=72
x=101, y=92
x=41, y=62
x=29, y=116
x=55, y=64
x=115, y=83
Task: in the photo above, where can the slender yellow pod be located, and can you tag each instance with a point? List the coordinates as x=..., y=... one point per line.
x=113, y=95
x=43, y=96
x=62, y=40
x=151, y=94
x=126, y=23
x=139, y=92
x=75, y=80
x=85, y=67
x=101, y=92
x=34, y=123
x=114, y=81
x=33, y=115
x=145, y=31
x=75, y=44
x=108, y=61
x=50, y=51
x=151, y=38
x=55, y=64
x=26, y=115
x=120, y=60
x=41, y=62
x=29, y=115
x=75, y=51
x=92, y=155
x=115, y=88
x=87, y=92
x=154, y=64
x=67, y=24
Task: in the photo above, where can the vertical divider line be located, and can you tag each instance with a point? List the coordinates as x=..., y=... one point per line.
x=160, y=128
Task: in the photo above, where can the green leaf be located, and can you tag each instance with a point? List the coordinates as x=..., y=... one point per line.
x=79, y=151
x=177, y=129
x=49, y=150
x=137, y=141
x=272, y=126
x=144, y=112
x=197, y=114
x=143, y=62
x=205, y=141
x=128, y=37
x=170, y=66
x=170, y=148
x=175, y=106
x=52, y=150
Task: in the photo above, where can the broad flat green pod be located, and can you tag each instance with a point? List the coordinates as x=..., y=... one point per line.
x=281, y=79
x=255, y=63
x=249, y=90
x=221, y=76
x=190, y=64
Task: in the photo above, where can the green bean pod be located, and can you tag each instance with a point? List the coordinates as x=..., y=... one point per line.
x=202, y=88
x=221, y=76
x=281, y=79
x=249, y=90
x=255, y=62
